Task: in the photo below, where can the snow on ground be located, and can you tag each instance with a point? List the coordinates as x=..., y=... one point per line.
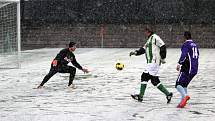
x=103, y=94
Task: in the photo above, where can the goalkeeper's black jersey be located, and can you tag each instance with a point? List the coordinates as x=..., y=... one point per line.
x=65, y=56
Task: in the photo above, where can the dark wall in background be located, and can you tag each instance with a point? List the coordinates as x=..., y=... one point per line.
x=119, y=11
x=117, y=23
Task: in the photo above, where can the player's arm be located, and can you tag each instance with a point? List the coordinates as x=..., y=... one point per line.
x=140, y=51
x=160, y=43
x=77, y=65
x=163, y=51
x=184, y=51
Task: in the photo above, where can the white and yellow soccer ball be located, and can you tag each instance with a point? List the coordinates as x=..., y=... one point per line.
x=119, y=66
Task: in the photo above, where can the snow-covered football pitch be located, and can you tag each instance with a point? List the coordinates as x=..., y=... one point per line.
x=104, y=93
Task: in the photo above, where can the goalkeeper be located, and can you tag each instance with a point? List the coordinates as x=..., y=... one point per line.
x=155, y=50
x=59, y=64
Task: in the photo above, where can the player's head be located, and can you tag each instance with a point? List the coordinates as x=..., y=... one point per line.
x=72, y=46
x=148, y=31
x=187, y=35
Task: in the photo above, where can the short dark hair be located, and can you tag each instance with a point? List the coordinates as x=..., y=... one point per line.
x=187, y=35
x=149, y=29
x=71, y=44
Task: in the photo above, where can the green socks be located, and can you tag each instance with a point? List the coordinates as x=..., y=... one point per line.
x=163, y=89
x=160, y=87
x=142, y=89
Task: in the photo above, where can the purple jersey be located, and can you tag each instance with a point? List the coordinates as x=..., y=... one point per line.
x=189, y=57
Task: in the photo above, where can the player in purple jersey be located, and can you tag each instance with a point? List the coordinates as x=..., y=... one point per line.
x=188, y=67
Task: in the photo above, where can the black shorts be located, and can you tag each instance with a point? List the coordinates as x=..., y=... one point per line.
x=146, y=77
x=184, y=79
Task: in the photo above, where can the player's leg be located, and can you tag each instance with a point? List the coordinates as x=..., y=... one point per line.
x=181, y=86
x=156, y=82
x=144, y=79
x=71, y=70
x=185, y=89
x=51, y=73
x=182, y=91
x=72, y=75
x=190, y=78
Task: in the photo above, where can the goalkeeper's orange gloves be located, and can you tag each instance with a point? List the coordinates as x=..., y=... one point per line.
x=54, y=62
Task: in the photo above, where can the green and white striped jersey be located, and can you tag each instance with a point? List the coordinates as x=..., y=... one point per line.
x=153, y=45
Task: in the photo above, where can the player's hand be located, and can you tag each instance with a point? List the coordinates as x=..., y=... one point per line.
x=85, y=70
x=132, y=53
x=178, y=67
x=163, y=61
x=54, y=62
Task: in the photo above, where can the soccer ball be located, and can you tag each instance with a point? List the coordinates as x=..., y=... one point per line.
x=119, y=66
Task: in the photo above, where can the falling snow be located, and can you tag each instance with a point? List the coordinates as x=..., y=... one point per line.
x=104, y=93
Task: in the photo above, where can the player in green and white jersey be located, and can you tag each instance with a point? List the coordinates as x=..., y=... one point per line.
x=155, y=51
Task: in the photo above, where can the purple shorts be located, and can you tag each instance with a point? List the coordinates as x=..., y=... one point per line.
x=184, y=79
